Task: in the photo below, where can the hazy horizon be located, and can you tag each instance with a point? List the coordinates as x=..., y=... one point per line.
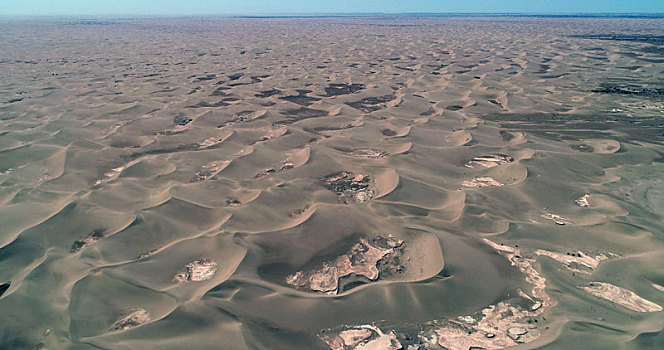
x=317, y=7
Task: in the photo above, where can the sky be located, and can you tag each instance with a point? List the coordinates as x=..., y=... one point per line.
x=277, y=7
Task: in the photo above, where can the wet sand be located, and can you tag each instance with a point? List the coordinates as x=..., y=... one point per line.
x=332, y=183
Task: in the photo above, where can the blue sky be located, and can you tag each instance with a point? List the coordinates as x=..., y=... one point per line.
x=235, y=7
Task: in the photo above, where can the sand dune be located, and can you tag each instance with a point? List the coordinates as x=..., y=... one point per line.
x=346, y=183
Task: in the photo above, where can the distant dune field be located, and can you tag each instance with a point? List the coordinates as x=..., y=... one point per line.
x=332, y=183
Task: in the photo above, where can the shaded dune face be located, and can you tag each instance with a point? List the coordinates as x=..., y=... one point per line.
x=397, y=183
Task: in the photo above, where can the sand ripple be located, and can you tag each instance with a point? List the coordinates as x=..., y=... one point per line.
x=398, y=182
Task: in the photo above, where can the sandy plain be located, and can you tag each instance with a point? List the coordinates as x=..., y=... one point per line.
x=423, y=183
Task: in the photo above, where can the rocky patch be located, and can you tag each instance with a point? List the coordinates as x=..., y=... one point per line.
x=481, y=182
x=135, y=318
x=364, y=337
x=621, y=296
x=368, y=153
x=501, y=325
x=577, y=262
x=210, y=169
x=92, y=238
x=350, y=187
x=110, y=175
x=559, y=220
x=583, y=201
x=489, y=161
x=196, y=271
x=363, y=263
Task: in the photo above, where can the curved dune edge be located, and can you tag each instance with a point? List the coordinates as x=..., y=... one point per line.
x=222, y=270
x=461, y=138
x=606, y=205
x=157, y=199
x=512, y=174
x=659, y=287
x=600, y=146
x=20, y=276
x=188, y=284
x=273, y=133
x=595, y=209
x=296, y=217
x=151, y=118
x=111, y=129
x=423, y=256
x=422, y=259
x=299, y=157
x=24, y=219
x=215, y=230
x=245, y=151
x=400, y=148
x=230, y=197
x=386, y=182
x=381, y=151
x=514, y=137
x=210, y=169
x=454, y=209
x=114, y=174
x=404, y=131
x=354, y=188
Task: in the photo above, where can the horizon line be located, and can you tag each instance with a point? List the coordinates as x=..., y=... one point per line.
x=350, y=14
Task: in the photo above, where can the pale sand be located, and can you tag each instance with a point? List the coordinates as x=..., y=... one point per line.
x=161, y=179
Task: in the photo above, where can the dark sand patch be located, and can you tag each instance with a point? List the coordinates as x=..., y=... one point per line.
x=268, y=93
x=372, y=104
x=295, y=115
x=301, y=98
x=343, y=89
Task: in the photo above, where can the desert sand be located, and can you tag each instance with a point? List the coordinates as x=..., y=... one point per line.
x=332, y=183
